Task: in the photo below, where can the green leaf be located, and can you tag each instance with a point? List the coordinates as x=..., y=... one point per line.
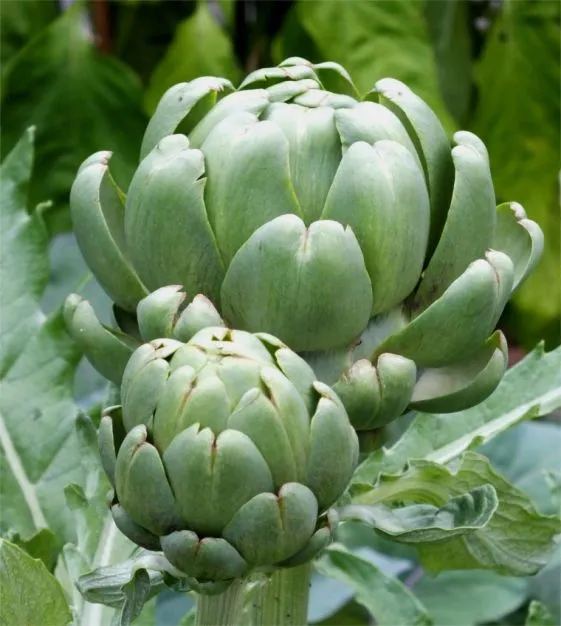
x=468, y=598
x=136, y=591
x=141, y=31
x=352, y=614
x=538, y=615
x=522, y=56
x=375, y=40
x=112, y=584
x=517, y=540
x=449, y=28
x=28, y=593
x=36, y=354
x=81, y=101
x=98, y=542
x=528, y=456
x=42, y=545
x=147, y=616
x=69, y=274
x=199, y=48
x=424, y=523
x=529, y=389
x=20, y=22
x=44, y=445
x=387, y=599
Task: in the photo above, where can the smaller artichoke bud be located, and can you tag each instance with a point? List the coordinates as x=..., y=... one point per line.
x=107, y=349
x=374, y=394
x=221, y=459
x=168, y=313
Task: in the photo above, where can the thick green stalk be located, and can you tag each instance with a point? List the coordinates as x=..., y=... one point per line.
x=223, y=609
x=284, y=599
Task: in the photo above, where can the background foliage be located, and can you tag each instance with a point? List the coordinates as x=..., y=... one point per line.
x=87, y=76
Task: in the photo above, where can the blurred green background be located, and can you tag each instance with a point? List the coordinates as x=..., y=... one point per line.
x=88, y=75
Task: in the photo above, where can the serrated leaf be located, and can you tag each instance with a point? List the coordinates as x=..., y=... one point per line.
x=81, y=101
x=199, y=48
x=387, y=599
x=529, y=389
x=517, y=540
x=29, y=594
x=36, y=354
x=375, y=40
x=424, y=523
x=522, y=56
x=42, y=452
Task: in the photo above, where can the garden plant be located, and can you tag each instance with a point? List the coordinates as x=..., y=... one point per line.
x=303, y=378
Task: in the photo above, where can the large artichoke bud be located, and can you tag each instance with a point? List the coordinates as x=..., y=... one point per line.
x=351, y=229
x=223, y=453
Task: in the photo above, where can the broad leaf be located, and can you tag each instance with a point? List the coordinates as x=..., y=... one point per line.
x=199, y=48
x=387, y=599
x=37, y=362
x=469, y=598
x=29, y=594
x=517, y=540
x=70, y=274
x=530, y=389
x=375, y=40
x=80, y=100
x=328, y=595
x=528, y=456
x=44, y=446
x=519, y=117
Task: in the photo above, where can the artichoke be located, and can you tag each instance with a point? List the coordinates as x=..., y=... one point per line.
x=349, y=228
x=221, y=454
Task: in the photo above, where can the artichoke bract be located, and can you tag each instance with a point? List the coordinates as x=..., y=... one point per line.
x=226, y=454
x=351, y=228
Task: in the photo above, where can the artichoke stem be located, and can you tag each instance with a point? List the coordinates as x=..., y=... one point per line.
x=223, y=609
x=284, y=600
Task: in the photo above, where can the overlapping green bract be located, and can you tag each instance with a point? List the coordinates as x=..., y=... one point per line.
x=222, y=454
x=349, y=228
